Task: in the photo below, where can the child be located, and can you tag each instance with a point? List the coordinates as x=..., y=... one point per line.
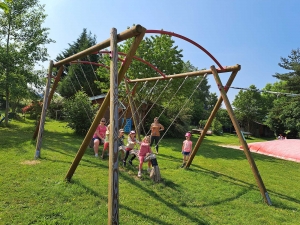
x=145, y=149
x=186, y=148
x=121, y=142
x=131, y=141
x=106, y=142
x=99, y=135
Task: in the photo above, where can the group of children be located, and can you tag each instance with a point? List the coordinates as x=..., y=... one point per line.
x=101, y=136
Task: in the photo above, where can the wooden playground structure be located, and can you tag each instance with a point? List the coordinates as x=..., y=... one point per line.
x=111, y=101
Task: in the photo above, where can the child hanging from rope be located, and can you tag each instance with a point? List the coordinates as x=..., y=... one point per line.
x=186, y=148
x=145, y=149
x=131, y=141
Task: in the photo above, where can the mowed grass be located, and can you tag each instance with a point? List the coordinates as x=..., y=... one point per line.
x=219, y=187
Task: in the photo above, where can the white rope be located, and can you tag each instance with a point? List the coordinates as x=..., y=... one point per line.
x=155, y=102
x=172, y=98
x=88, y=57
x=142, y=101
x=75, y=92
x=181, y=109
x=85, y=78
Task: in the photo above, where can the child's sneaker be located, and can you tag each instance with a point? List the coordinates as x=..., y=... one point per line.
x=149, y=170
x=130, y=162
x=96, y=155
x=124, y=163
x=139, y=174
x=183, y=164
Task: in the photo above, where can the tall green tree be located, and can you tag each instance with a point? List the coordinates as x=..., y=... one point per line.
x=81, y=75
x=22, y=44
x=284, y=117
x=249, y=106
x=4, y=6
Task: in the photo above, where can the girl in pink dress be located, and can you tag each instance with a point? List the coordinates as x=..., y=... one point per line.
x=145, y=149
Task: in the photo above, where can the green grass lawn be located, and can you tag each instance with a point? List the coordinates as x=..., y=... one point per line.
x=219, y=187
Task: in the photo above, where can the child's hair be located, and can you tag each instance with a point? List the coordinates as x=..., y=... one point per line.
x=146, y=138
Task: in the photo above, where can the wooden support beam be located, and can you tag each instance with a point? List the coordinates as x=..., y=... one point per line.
x=188, y=74
x=132, y=32
x=105, y=104
x=210, y=119
x=113, y=183
x=54, y=86
x=247, y=152
x=43, y=114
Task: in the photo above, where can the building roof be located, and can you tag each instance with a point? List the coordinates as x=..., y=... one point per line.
x=102, y=96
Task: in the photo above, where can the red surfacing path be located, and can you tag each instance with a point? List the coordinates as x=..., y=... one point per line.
x=288, y=149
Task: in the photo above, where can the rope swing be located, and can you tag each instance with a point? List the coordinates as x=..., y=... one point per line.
x=182, y=108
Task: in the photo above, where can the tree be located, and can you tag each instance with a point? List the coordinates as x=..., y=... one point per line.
x=249, y=106
x=80, y=76
x=284, y=116
x=22, y=40
x=223, y=117
x=79, y=112
x=4, y=7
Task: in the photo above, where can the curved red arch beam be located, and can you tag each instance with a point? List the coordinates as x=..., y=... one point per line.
x=188, y=40
x=137, y=58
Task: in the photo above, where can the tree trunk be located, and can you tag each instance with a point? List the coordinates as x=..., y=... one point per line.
x=7, y=72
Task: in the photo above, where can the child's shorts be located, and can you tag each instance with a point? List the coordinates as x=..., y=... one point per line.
x=100, y=140
x=186, y=153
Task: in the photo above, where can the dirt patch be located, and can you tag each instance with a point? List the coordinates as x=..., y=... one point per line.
x=30, y=162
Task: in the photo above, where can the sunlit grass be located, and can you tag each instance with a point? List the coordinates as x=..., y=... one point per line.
x=219, y=187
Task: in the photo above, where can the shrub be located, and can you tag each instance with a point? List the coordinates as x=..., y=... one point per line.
x=55, y=109
x=34, y=109
x=217, y=127
x=79, y=112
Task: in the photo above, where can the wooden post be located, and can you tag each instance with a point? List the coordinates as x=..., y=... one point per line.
x=113, y=184
x=54, y=86
x=105, y=104
x=247, y=152
x=210, y=119
x=43, y=115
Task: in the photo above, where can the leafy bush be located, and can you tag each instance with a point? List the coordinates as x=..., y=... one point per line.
x=34, y=109
x=202, y=123
x=217, y=127
x=79, y=112
x=55, y=109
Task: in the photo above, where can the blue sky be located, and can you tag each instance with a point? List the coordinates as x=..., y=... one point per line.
x=252, y=33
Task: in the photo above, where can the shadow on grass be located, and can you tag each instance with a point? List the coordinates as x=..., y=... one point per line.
x=244, y=184
x=170, y=205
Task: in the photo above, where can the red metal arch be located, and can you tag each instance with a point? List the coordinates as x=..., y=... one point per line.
x=139, y=59
x=188, y=40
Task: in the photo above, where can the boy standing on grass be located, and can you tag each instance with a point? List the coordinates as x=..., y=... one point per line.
x=186, y=148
